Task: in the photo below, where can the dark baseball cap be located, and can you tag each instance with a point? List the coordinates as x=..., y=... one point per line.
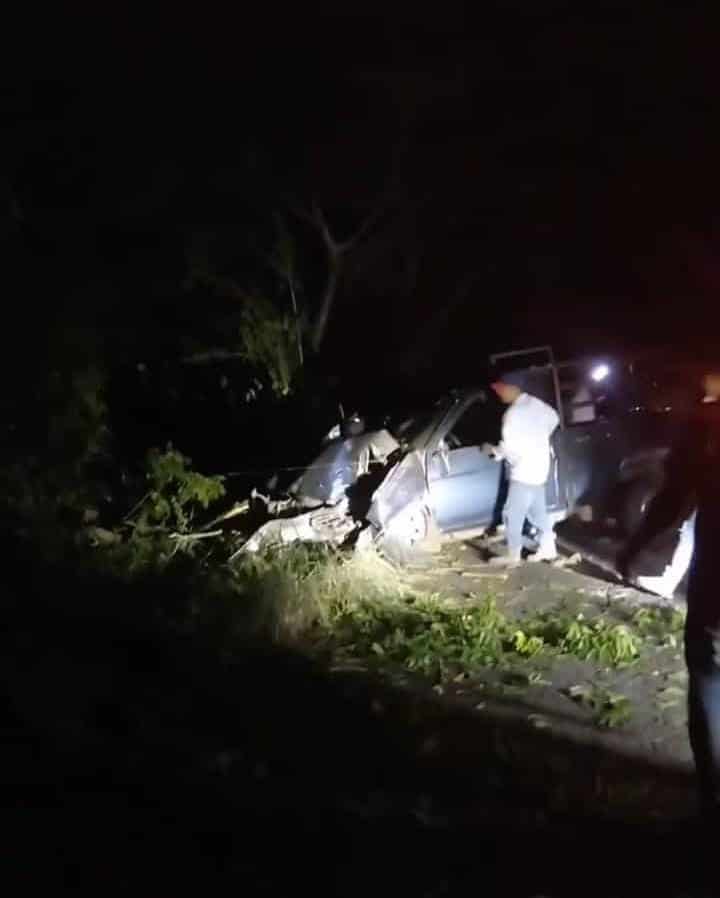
x=511, y=378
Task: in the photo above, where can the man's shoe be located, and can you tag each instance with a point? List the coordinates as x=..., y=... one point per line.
x=497, y=535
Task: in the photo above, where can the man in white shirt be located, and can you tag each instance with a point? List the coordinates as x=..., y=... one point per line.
x=527, y=427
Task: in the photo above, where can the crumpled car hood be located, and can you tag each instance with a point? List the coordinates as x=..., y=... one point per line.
x=338, y=467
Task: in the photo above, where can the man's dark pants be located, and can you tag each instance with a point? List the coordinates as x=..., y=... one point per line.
x=702, y=653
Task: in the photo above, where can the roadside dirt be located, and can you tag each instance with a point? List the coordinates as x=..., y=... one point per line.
x=638, y=768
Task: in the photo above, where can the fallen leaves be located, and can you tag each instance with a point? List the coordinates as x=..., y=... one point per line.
x=610, y=709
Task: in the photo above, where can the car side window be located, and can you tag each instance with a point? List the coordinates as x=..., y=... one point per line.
x=478, y=424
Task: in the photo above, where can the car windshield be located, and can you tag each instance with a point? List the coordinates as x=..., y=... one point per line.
x=407, y=428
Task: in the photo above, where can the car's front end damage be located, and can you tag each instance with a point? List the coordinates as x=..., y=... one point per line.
x=356, y=491
x=399, y=513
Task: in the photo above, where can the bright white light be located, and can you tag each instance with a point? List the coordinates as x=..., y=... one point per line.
x=599, y=372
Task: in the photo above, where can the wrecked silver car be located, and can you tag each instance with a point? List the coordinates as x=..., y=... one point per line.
x=408, y=486
x=397, y=491
x=394, y=491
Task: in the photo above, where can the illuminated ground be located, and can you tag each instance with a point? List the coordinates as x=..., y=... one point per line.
x=639, y=768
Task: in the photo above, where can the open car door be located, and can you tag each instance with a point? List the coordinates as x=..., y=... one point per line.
x=464, y=485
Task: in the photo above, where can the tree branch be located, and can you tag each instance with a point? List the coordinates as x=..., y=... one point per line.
x=335, y=250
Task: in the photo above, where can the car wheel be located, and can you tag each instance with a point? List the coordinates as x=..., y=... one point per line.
x=407, y=538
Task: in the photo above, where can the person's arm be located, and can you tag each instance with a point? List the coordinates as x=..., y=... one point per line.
x=553, y=420
x=496, y=451
x=510, y=447
x=499, y=452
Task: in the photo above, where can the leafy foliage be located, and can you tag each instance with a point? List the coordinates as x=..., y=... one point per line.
x=427, y=636
x=267, y=340
x=438, y=639
x=256, y=321
x=48, y=490
x=597, y=640
x=176, y=492
x=159, y=525
x=77, y=422
x=612, y=644
x=664, y=625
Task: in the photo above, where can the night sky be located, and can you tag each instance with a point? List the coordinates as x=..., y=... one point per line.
x=544, y=172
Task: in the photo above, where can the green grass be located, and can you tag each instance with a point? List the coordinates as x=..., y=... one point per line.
x=600, y=640
x=662, y=625
x=425, y=635
x=360, y=608
x=442, y=640
x=306, y=592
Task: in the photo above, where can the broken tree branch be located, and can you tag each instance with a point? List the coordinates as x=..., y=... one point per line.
x=182, y=540
x=335, y=251
x=238, y=508
x=189, y=537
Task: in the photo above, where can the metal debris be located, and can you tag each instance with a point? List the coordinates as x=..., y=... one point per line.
x=324, y=525
x=327, y=496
